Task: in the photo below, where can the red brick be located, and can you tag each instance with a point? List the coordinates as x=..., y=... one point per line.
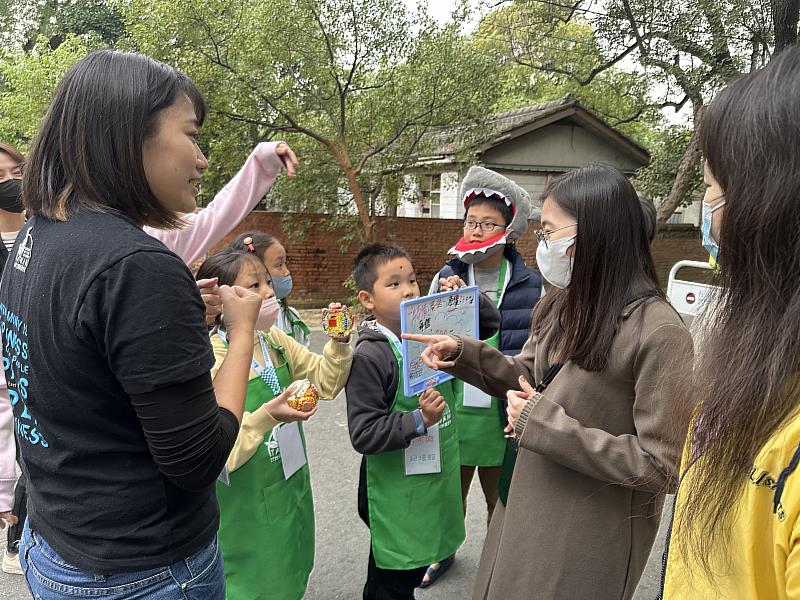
x=320, y=258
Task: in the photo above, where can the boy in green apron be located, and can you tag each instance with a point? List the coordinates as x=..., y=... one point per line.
x=409, y=486
x=496, y=216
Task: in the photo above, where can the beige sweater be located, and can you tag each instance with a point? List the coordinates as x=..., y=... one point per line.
x=328, y=372
x=598, y=451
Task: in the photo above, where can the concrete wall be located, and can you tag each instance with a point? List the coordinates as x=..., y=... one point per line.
x=532, y=182
x=556, y=148
x=528, y=160
x=320, y=257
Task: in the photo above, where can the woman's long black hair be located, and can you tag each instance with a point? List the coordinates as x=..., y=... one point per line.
x=612, y=265
x=747, y=374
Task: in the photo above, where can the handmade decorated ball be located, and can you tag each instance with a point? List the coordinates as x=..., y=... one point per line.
x=337, y=321
x=305, y=397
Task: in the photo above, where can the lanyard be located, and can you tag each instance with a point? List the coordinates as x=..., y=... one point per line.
x=267, y=373
x=391, y=337
x=502, y=281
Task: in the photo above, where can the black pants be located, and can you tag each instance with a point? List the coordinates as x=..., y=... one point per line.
x=19, y=510
x=387, y=584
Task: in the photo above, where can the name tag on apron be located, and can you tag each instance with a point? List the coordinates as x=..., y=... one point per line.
x=293, y=455
x=423, y=455
x=476, y=398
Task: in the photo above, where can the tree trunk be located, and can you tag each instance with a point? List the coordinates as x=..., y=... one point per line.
x=367, y=222
x=785, y=16
x=683, y=175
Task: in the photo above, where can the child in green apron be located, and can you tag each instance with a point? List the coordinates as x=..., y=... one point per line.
x=273, y=255
x=409, y=487
x=266, y=508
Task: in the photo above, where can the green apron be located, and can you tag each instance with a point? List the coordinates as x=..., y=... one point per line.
x=297, y=329
x=416, y=520
x=480, y=430
x=266, y=530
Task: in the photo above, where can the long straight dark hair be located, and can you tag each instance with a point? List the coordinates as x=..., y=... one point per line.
x=749, y=354
x=89, y=147
x=612, y=264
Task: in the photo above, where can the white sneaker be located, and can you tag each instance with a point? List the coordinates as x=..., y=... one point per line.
x=11, y=563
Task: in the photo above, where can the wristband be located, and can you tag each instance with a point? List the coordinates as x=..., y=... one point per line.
x=459, y=347
x=419, y=421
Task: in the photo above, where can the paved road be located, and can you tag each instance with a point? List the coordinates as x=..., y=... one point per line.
x=342, y=540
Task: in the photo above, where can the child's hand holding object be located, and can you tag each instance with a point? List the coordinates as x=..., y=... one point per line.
x=448, y=284
x=432, y=405
x=337, y=322
x=284, y=408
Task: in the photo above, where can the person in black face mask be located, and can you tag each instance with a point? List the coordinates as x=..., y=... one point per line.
x=11, y=215
x=13, y=499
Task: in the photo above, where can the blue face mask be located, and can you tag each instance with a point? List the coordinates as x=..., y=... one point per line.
x=282, y=286
x=709, y=243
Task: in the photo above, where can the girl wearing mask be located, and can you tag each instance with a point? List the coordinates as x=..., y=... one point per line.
x=273, y=255
x=734, y=533
x=266, y=508
x=589, y=402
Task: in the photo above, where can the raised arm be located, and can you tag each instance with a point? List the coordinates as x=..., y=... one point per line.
x=231, y=205
x=327, y=371
x=163, y=363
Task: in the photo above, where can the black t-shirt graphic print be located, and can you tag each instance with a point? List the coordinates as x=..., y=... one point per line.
x=94, y=314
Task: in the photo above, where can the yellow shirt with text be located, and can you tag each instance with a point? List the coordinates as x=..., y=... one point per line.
x=764, y=561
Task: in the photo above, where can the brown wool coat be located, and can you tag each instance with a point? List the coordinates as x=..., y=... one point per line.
x=597, y=454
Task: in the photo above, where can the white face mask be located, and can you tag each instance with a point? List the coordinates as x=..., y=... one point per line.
x=267, y=315
x=554, y=264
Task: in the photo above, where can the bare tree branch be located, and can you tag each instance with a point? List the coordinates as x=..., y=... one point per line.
x=580, y=80
x=672, y=69
x=683, y=174
x=721, y=49
x=333, y=67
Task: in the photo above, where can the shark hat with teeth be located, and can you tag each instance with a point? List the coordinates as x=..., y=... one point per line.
x=483, y=182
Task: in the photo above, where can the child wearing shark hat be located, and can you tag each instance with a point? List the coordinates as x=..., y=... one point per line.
x=496, y=216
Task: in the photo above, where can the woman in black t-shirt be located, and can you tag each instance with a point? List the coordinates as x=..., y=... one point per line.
x=107, y=357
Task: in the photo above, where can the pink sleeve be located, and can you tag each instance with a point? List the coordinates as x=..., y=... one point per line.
x=230, y=206
x=8, y=473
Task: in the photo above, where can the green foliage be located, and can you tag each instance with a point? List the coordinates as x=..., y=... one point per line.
x=666, y=149
x=95, y=17
x=691, y=50
x=23, y=22
x=358, y=82
x=27, y=82
x=545, y=51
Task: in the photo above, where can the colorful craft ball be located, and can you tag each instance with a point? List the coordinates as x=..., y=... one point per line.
x=337, y=320
x=305, y=397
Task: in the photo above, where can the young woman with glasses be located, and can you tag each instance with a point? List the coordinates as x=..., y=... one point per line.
x=590, y=402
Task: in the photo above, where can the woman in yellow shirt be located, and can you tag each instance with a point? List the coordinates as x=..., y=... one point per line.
x=736, y=523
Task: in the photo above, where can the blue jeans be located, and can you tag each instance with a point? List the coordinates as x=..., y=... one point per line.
x=199, y=577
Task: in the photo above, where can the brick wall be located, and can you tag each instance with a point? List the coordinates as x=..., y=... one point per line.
x=320, y=257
